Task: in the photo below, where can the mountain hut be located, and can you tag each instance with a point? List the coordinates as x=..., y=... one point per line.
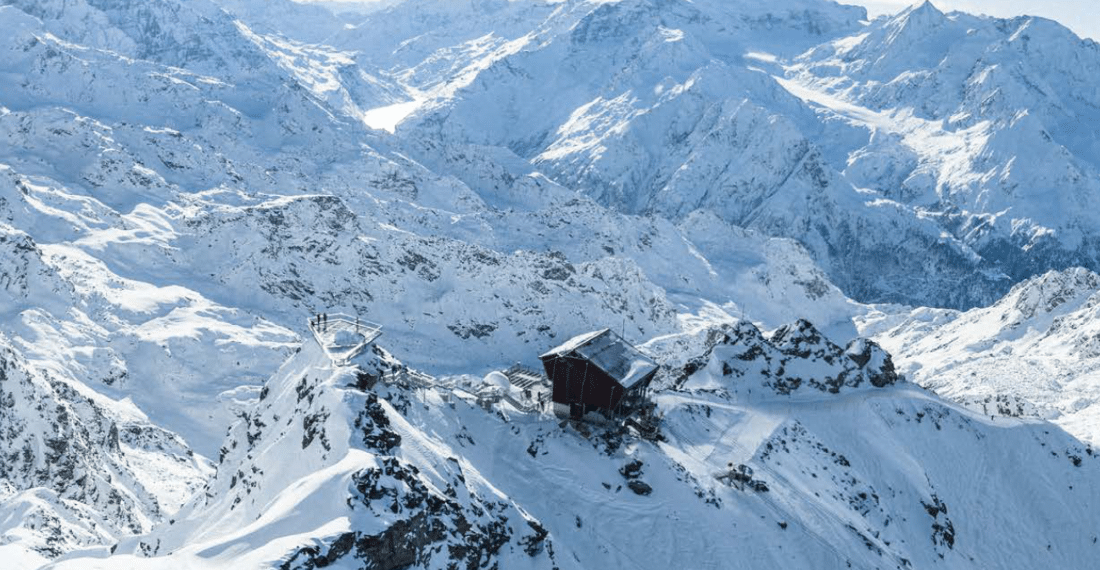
x=598, y=371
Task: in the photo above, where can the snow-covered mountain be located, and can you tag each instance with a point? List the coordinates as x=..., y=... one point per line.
x=186, y=183
x=77, y=467
x=849, y=466
x=1032, y=354
x=975, y=122
x=638, y=103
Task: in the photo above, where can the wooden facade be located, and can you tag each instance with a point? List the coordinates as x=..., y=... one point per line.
x=599, y=372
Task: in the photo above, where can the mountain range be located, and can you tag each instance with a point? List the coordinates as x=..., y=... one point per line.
x=863, y=253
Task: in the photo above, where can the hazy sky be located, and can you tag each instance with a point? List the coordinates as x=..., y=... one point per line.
x=1081, y=16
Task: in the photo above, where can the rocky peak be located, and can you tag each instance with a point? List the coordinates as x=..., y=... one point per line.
x=918, y=17
x=1045, y=293
x=877, y=364
x=802, y=339
x=795, y=357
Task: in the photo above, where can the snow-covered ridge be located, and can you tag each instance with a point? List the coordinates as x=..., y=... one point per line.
x=1034, y=353
x=188, y=182
x=797, y=358
x=385, y=474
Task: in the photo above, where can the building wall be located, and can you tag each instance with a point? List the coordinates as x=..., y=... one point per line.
x=576, y=381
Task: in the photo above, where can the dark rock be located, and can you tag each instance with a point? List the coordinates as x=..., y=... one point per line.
x=631, y=470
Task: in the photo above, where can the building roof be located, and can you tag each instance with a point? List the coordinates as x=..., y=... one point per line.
x=611, y=353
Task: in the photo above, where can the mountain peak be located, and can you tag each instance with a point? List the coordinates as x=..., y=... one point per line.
x=793, y=336
x=926, y=8
x=922, y=16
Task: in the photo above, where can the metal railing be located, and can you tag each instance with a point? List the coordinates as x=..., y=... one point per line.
x=408, y=378
x=326, y=331
x=528, y=406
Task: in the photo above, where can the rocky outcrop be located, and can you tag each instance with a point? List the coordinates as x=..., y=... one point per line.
x=70, y=461
x=795, y=357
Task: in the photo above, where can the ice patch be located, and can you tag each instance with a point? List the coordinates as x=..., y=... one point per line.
x=387, y=118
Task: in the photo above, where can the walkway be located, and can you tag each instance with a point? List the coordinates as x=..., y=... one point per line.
x=342, y=336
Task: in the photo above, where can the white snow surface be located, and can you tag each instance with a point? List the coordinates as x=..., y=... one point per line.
x=186, y=183
x=1034, y=353
x=866, y=476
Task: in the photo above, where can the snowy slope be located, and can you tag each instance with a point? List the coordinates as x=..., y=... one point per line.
x=175, y=228
x=304, y=21
x=197, y=35
x=86, y=465
x=864, y=472
x=188, y=182
x=78, y=468
x=639, y=104
x=1032, y=354
x=648, y=101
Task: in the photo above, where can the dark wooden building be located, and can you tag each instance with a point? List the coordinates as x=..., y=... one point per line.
x=597, y=371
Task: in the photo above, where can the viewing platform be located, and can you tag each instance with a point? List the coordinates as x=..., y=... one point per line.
x=343, y=336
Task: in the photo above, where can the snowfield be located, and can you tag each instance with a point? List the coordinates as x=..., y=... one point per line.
x=863, y=254
x=1032, y=354
x=866, y=476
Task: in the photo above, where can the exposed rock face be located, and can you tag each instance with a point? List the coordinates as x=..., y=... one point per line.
x=875, y=362
x=795, y=356
x=68, y=463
